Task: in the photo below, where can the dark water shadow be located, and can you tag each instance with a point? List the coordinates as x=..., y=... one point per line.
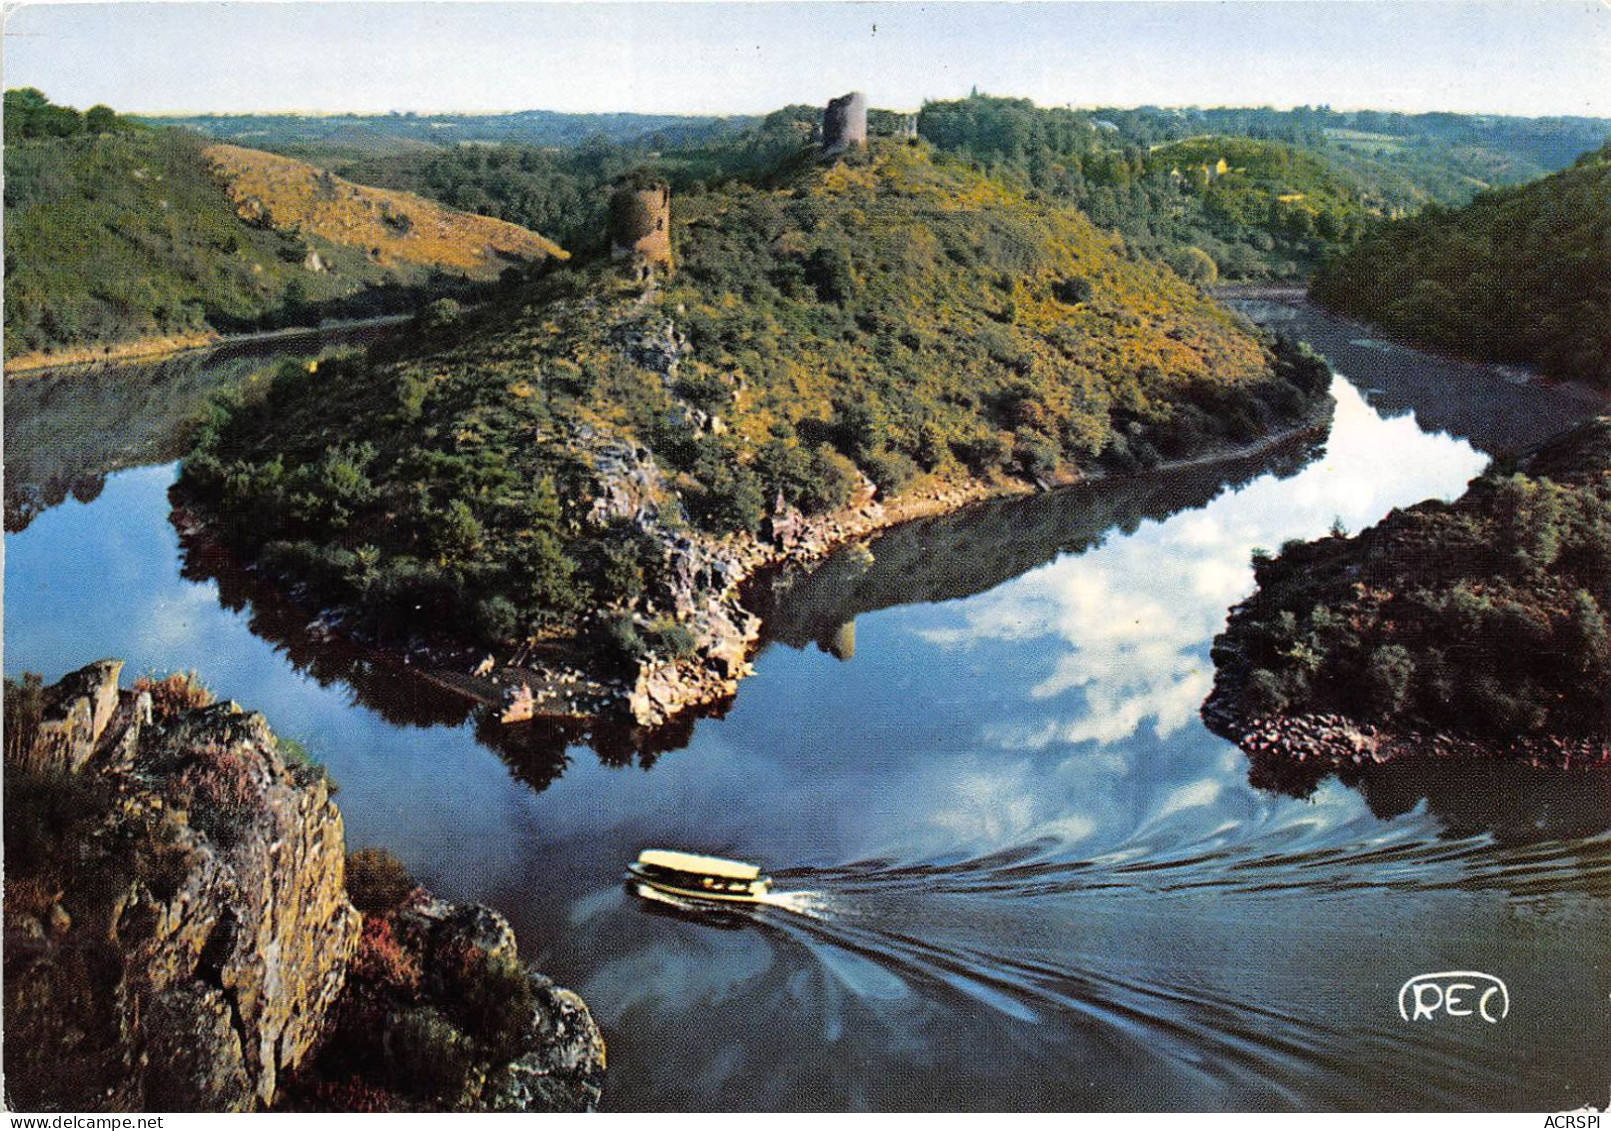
x=537, y=752
x=1503, y=410
x=67, y=429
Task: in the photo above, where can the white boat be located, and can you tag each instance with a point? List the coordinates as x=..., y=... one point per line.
x=700, y=877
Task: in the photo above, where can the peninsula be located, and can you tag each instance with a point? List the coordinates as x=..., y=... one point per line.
x=555, y=500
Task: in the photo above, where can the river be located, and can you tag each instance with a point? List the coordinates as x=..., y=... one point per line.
x=1015, y=871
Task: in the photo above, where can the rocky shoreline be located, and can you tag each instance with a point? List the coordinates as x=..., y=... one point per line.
x=1294, y=751
x=666, y=689
x=709, y=579
x=1330, y=741
x=1345, y=654
x=179, y=936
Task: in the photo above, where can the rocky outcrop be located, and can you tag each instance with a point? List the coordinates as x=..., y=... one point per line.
x=441, y=1015
x=77, y=710
x=1471, y=629
x=177, y=926
x=208, y=926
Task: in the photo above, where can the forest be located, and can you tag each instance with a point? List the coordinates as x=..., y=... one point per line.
x=116, y=231
x=1519, y=275
x=1300, y=185
x=1217, y=194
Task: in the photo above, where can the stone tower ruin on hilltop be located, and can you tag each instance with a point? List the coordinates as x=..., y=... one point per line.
x=640, y=227
x=844, y=123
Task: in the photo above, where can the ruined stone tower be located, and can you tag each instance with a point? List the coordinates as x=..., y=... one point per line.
x=640, y=227
x=844, y=123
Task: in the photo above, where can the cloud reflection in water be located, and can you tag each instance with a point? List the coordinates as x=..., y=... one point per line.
x=1133, y=618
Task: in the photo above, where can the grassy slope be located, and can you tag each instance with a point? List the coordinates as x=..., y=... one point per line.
x=900, y=315
x=396, y=227
x=1484, y=616
x=1517, y=275
x=123, y=236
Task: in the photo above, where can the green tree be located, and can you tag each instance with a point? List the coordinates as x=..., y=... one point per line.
x=100, y=120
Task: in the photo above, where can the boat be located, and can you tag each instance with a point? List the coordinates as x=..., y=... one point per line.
x=700, y=877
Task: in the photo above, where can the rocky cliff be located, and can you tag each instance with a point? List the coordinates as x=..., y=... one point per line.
x=178, y=933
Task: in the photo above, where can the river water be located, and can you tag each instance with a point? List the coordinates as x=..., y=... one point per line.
x=1014, y=869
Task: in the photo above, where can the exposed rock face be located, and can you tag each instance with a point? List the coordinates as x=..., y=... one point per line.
x=77, y=710
x=178, y=934
x=844, y=123
x=209, y=928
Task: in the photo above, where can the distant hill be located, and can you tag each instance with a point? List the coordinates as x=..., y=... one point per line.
x=368, y=135
x=1338, y=169
x=131, y=233
x=1309, y=177
x=1519, y=275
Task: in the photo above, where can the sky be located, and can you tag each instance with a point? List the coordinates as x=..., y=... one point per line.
x=1528, y=57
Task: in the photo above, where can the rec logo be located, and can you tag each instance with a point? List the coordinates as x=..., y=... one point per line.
x=1454, y=993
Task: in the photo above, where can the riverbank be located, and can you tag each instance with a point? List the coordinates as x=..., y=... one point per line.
x=1595, y=396
x=163, y=348
x=1279, y=744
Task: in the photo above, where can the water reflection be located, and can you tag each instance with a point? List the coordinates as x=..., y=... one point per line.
x=1500, y=409
x=966, y=553
x=940, y=559
x=67, y=429
x=1126, y=624
x=1014, y=870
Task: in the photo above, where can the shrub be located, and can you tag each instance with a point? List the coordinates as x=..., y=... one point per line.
x=1265, y=695
x=428, y=1056
x=670, y=639
x=1195, y=265
x=24, y=707
x=497, y=619
x=45, y=812
x=731, y=501
x=304, y=767
x=221, y=790
x=1073, y=290
x=983, y=452
x=621, y=636
x=1387, y=680
x=174, y=693
x=380, y=959
x=377, y=881
x=832, y=482
x=492, y=998
x=889, y=471
x=1037, y=456
x=438, y=317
